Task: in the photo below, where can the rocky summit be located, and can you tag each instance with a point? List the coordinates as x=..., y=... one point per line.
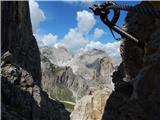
x=91, y=107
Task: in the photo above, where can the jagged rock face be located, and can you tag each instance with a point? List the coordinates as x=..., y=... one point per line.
x=23, y=99
x=95, y=66
x=141, y=27
x=17, y=37
x=60, y=82
x=138, y=98
x=22, y=96
x=85, y=71
x=91, y=107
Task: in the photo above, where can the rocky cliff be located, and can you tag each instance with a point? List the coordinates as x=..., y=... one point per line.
x=60, y=82
x=95, y=66
x=17, y=37
x=137, y=91
x=76, y=76
x=91, y=107
x=22, y=96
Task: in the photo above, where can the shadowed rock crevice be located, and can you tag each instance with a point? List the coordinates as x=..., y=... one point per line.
x=18, y=39
x=137, y=91
x=22, y=95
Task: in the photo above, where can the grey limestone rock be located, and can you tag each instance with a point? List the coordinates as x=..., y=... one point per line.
x=22, y=95
x=142, y=67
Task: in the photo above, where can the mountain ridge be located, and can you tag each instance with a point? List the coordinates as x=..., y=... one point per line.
x=82, y=72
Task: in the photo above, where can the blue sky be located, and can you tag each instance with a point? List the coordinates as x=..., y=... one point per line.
x=72, y=25
x=61, y=16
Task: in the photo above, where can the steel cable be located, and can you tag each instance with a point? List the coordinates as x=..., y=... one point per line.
x=139, y=9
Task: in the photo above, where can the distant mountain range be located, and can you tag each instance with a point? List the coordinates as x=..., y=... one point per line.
x=68, y=77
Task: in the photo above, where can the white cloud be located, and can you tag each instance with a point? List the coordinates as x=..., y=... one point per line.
x=82, y=2
x=112, y=49
x=75, y=38
x=86, y=21
x=98, y=33
x=48, y=39
x=39, y=39
x=37, y=15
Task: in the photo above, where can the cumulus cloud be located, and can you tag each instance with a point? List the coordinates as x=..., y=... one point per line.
x=37, y=15
x=82, y=2
x=75, y=38
x=98, y=33
x=39, y=39
x=85, y=20
x=112, y=49
x=48, y=39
